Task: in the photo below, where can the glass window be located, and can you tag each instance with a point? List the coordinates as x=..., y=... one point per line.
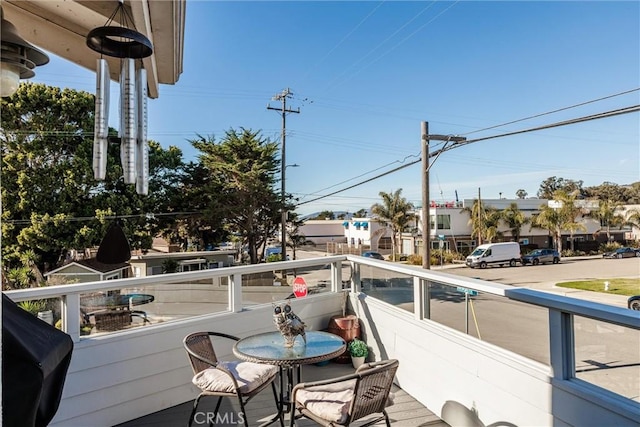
x=444, y=222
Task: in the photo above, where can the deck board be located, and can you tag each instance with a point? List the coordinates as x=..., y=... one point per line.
x=405, y=411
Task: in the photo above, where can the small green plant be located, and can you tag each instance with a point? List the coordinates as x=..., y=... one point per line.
x=358, y=348
x=33, y=306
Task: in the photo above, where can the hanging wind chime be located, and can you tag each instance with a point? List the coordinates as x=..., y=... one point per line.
x=129, y=45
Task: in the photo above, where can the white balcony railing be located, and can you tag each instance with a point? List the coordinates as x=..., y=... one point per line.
x=506, y=354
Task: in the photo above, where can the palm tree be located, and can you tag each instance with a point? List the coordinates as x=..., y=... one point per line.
x=561, y=218
x=515, y=220
x=549, y=219
x=484, y=221
x=609, y=214
x=570, y=212
x=633, y=218
x=492, y=224
x=394, y=213
x=476, y=213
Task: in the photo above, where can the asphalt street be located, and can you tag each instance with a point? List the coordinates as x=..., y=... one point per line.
x=546, y=277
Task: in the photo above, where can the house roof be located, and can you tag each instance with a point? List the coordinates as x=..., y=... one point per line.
x=91, y=265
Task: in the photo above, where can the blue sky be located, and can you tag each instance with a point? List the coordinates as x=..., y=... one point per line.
x=366, y=74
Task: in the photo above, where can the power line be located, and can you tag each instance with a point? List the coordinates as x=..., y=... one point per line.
x=603, y=115
x=555, y=111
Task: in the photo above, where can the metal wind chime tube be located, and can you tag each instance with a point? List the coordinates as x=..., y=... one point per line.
x=128, y=135
x=142, y=157
x=120, y=41
x=101, y=128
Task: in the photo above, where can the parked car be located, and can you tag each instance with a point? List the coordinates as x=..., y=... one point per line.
x=541, y=256
x=622, y=253
x=373, y=254
x=634, y=302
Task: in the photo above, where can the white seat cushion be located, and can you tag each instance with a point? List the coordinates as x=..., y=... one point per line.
x=248, y=375
x=330, y=402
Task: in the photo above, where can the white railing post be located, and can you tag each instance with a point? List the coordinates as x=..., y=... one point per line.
x=561, y=344
x=235, y=293
x=336, y=276
x=71, y=315
x=418, y=297
x=355, y=277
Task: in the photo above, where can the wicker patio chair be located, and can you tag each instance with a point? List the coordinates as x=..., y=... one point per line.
x=242, y=380
x=343, y=400
x=109, y=320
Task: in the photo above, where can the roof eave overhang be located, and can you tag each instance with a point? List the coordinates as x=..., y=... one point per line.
x=61, y=27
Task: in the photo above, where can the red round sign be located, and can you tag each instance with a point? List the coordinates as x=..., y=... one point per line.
x=299, y=287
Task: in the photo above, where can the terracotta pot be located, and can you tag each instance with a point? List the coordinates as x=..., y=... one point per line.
x=346, y=327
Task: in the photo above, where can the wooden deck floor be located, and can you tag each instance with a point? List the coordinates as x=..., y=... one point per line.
x=405, y=412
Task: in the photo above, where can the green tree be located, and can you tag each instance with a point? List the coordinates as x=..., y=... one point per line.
x=51, y=201
x=612, y=192
x=484, y=221
x=521, y=194
x=241, y=185
x=325, y=215
x=550, y=219
x=562, y=216
x=515, y=220
x=361, y=213
x=394, y=211
x=633, y=218
x=609, y=213
x=550, y=185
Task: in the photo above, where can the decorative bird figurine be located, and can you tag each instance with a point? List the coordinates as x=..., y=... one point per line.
x=288, y=323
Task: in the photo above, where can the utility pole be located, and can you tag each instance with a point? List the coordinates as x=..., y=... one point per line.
x=479, y=218
x=282, y=96
x=426, y=214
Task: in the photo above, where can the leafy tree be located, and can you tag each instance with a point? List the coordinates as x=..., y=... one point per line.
x=550, y=185
x=612, y=192
x=393, y=212
x=515, y=220
x=44, y=180
x=51, y=201
x=200, y=217
x=361, y=213
x=521, y=194
x=325, y=215
x=240, y=185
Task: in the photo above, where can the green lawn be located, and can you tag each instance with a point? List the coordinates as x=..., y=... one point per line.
x=616, y=286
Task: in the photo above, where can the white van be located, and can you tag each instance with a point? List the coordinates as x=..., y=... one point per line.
x=495, y=253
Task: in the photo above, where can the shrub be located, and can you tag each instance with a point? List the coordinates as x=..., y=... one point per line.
x=570, y=253
x=610, y=247
x=414, y=259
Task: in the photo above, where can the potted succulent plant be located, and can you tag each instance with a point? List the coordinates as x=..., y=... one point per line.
x=359, y=351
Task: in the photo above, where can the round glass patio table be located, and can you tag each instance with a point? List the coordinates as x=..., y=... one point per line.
x=269, y=348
